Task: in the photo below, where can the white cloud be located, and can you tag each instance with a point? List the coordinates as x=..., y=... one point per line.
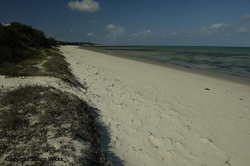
x=190, y=33
x=214, y=28
x=90, y=34
x=94, y=22
x=174, y=34
x=110, y=27
x=219, y=26
x=114, y=31
x=244, y=30
x=144, y=33
x=3, y=24
x=245, y=17
x=84, y=6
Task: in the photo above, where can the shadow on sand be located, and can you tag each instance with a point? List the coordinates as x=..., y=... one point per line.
x=105, y=141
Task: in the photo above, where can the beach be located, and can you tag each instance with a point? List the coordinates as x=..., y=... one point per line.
x=163, y=116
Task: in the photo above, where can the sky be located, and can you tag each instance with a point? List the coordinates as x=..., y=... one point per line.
x=136, y=22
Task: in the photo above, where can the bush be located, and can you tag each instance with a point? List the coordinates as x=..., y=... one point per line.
x=32, y=37
x=53, y=41
x=18, y=42
x=12, y=48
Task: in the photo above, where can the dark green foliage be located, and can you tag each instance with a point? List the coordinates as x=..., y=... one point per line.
x=12, y=49
x=53, y=41
x=32, y=37
x=19, y=42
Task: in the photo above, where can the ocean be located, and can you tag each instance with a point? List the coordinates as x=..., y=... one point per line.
x=231, y=60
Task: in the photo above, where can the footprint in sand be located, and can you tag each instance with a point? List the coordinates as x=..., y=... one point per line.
x=169, y=148
x=208, y=143
x=155, y=142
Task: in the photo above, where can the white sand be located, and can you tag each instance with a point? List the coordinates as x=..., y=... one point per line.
x=17, y=82
x=161, y=116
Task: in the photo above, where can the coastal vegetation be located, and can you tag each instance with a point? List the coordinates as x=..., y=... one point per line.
x=25, y=51
x=19, y=42
x=43, y=123
x=21, y=45
x=48, y=126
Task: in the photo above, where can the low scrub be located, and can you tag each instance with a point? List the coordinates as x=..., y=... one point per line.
x=48, y=126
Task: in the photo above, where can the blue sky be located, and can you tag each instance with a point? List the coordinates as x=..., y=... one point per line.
x=136, y=22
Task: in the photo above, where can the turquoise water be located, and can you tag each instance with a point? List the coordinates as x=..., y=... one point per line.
x=232, y=60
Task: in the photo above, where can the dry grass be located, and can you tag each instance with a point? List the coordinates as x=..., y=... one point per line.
x=25, y=67
x=45, y=122
x=56, y=66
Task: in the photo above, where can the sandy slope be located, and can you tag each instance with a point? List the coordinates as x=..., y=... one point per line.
x=14, y=83
x=162, y=116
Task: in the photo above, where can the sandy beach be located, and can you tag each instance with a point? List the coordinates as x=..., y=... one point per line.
x=162, y=116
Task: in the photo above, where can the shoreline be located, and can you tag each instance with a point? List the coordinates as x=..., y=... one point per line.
x=209, y=73
x=162, y=116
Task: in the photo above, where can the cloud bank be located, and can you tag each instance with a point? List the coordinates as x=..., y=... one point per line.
x=84, y=6
x=174, y=33
x=144, y=33
x=90, y=34
x=215, y=28
x=95, y=22
x=114, y=31
x=244, y=30
x=245, y=17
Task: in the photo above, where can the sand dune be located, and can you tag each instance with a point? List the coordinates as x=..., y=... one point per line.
x=161, y=116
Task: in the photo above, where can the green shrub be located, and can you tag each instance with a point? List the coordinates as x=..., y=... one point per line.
x=53, y=41
x=12, y=48
x=32, y=37
x=18, y=42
